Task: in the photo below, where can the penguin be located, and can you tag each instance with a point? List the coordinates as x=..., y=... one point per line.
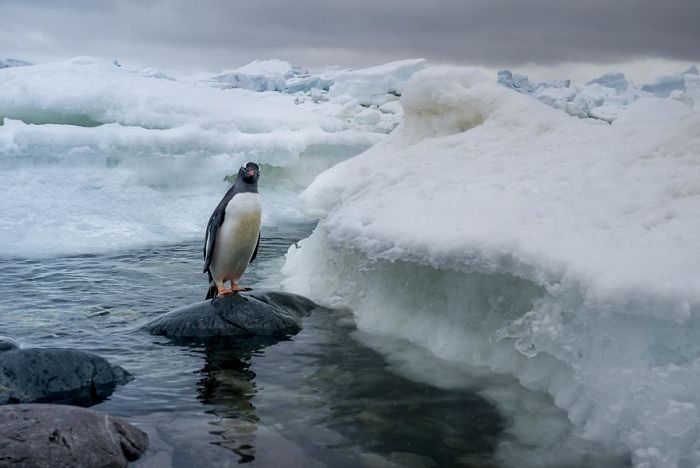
x=233, y=233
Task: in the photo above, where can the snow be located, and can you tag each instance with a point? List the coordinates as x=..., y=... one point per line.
x=495, y=231
x=267, y=67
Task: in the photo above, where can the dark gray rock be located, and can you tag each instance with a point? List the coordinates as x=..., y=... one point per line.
x=57, y=375
x=7, y=344
x=57, y=436
x=249, y=314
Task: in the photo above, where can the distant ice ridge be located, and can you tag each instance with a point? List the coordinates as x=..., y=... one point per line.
x=368, y=86
x=606, y=97
x=259, y=75
x=495, y=231
x=7, y=63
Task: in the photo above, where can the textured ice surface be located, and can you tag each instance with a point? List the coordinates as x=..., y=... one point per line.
x=665, y=85
x=522, y=83
x=605, y=97
x=259, y=75
x=375, y=85
x=498, y=232
x=616, y=81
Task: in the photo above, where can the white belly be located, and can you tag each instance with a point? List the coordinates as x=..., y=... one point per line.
x=236, y=238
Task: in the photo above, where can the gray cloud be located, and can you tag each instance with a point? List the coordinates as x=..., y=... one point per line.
x=226, y=33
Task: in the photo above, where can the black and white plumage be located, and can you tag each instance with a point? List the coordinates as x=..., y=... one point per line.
x=233, y=233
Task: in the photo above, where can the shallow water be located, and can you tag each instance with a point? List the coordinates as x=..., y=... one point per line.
x=320, y=398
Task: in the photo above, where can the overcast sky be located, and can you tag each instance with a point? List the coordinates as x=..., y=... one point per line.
x=217, y=34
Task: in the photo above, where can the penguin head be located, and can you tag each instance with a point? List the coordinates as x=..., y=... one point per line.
x=249, y=173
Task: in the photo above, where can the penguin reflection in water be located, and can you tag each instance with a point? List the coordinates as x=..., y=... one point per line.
x=233, y=233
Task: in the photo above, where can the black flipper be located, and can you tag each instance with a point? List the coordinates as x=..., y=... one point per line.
x=215, y=221
x=255, y=254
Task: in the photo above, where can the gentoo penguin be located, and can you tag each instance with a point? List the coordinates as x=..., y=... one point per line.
x=233, y=233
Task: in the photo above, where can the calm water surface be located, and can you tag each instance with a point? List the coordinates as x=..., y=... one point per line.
x=320, y=398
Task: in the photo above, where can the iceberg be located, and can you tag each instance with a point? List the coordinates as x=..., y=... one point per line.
x=258, y=75
x=665, y=85
x=305, y=84
x=499, y=233
x=522, y=84
x=376, y=85
x=616, y=81
x=606, y=97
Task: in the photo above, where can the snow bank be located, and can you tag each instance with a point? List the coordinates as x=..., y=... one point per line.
x=498, y=232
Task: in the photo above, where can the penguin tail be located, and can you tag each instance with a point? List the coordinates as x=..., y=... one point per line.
x=212, y=292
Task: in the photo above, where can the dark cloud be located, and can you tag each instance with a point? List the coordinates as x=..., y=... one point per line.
x=314, y=32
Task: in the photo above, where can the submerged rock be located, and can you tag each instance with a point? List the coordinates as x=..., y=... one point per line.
x=38, y=436
x=7, y=344
x=264, y=313
x=57, y=375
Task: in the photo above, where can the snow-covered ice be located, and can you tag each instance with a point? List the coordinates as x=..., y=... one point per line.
x=605, y=97
x=376, y=85
x=259, y=75
x=498, y=232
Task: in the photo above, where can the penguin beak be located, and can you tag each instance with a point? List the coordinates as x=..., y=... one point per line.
x=251, y=173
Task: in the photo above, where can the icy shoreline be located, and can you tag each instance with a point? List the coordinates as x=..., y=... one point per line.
x=489, y=229
x=497, y=232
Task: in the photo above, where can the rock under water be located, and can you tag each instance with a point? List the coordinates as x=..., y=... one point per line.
x=57, y=376
x=248, y=314
x=7, y=344
x=54, y=436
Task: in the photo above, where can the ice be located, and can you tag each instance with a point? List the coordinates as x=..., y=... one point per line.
x=151, y=72
x=616, y=81
x=664, y=86
x=522, y=83
x=375, y=85
x=366, y=87
x=95, y=156
x=606, y=97
x=304, y=84
x=258, y=75
x=7, y=63
x=495, y=231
